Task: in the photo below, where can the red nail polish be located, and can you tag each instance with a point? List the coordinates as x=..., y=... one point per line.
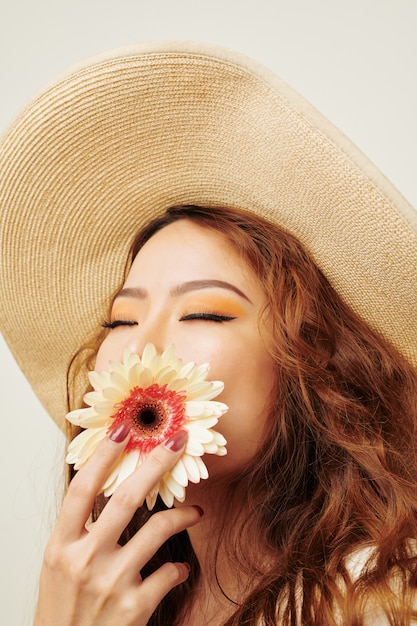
x=120, y=431
x=177, y=441
x=199, y=509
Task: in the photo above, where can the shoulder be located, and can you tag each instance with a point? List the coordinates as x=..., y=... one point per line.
x=363, y=559
x=358, y=562
x=359, y=559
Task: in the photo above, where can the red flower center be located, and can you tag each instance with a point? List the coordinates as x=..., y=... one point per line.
x=156, y=414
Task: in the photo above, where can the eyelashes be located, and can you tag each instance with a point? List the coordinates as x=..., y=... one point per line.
x=202, y=316
x=116, y=323
x=211, y=317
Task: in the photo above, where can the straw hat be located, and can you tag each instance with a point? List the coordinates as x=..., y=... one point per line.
x=123, y=136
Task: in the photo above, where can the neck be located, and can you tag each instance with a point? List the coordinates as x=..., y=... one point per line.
x=222, y=584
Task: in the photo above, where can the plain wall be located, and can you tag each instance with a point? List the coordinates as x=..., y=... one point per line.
x=355, y=60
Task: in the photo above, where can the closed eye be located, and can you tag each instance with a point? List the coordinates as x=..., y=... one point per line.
x=116, y=323
x=211, y=317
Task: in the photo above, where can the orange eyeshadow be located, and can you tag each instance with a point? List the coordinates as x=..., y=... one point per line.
x=215, y=303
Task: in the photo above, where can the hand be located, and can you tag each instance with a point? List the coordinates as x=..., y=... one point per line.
x=88, y=579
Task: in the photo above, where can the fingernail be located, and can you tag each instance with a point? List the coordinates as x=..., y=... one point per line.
x=120, y=431
x=177, y=441
x=199, y=509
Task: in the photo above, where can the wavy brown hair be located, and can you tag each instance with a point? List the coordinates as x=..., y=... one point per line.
x=337, y=471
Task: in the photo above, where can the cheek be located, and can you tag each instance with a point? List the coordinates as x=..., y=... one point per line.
x=249, y=386
x=248, y=373
x=110, y=349
x=102, y=357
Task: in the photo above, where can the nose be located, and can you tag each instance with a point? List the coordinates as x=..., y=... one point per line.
x=152, y=331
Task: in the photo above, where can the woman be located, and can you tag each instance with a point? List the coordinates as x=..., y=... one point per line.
x=311, y=516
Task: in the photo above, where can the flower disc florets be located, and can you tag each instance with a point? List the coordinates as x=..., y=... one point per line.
x=156, y=414
x=159, y=395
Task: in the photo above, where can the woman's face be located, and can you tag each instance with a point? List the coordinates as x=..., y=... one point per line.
x=189, y=287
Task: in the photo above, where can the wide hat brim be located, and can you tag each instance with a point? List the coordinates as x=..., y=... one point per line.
x=121, y=137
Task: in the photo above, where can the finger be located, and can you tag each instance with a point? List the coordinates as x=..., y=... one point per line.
x=155, y=587
x=79, y=500
x=160, y=527
x=130, y=495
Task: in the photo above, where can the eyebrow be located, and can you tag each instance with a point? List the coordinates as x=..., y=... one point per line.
x=179, y=290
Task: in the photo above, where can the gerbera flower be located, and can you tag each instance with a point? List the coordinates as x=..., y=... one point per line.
x=159, y=394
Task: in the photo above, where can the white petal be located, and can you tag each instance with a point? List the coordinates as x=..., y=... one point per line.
x=169, y=354
x=216, y=387
x=156, y=365
x=201, y=432
x=111, y=395
x=194, y=448
x=109, y=488
x=194, y=409
x=130, y=463
x=218, y=438
x=148, y=354
x=186, y=370
x=198, y=390
x=176, y=365
x=173, y=486
x=118, y=368
x=204, y=390
x=130, y=358
x=86, y=438
x=125, y=465
x=202, y=468
x=210, y=447
x=91, y=419
x=178, y=384
x=114, y=480
x=168, y=358
x=120, y=382
x=191, y=467
x=145, y=378
x=165, y=376
x=83, y=445
x=99, y=380
x=134, y=374
x=179, y=473
x=105, y=409
x=92, y=397
x=215, y=408
x=200, y=408
x=111, y=483
x=76, y=416
x=202, y=423
x=221, y=451
x=166, y=495
x=199, y=373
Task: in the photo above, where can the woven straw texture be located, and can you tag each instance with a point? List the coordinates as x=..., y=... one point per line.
x=124, y=136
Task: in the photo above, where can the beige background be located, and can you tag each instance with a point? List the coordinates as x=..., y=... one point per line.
x=355, y=60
